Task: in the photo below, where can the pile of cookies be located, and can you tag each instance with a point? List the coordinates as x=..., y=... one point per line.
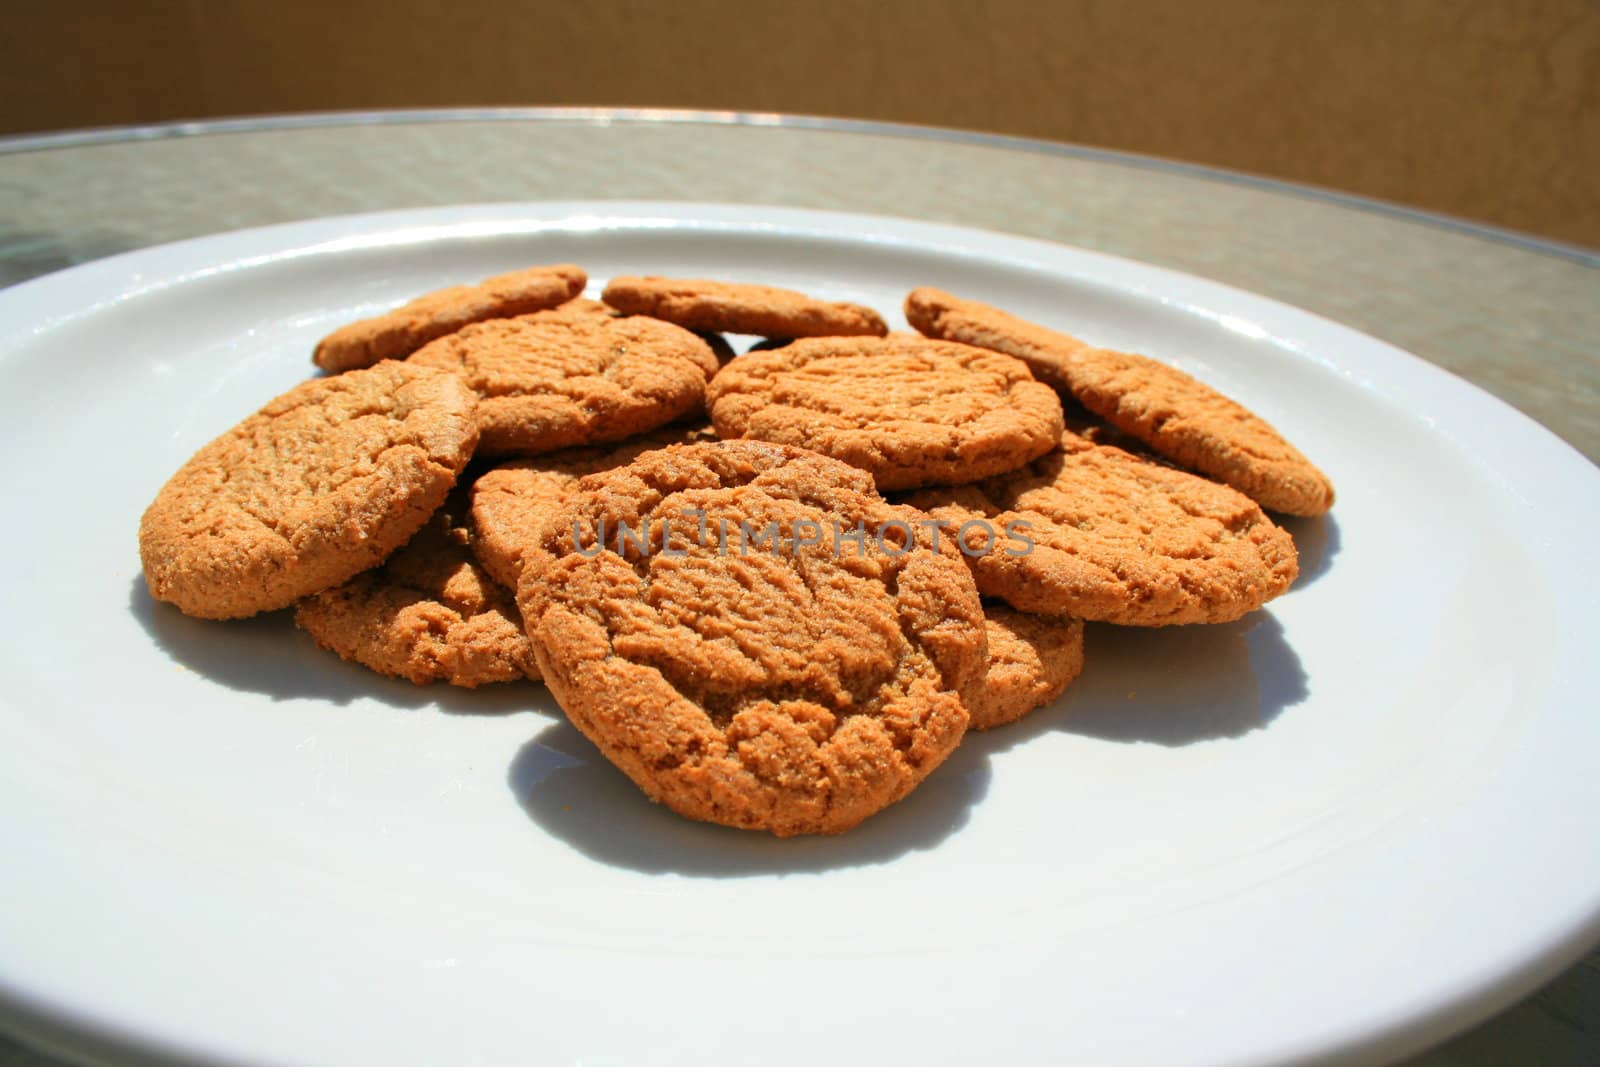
x=774, y=588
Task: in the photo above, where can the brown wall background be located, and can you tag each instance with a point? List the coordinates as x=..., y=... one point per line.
x=1489, y=110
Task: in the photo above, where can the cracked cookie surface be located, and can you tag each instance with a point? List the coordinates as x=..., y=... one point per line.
x=512, y=502
x=429, y=614
x=793, y=687
x=734, y=307
x=910, y=411
x=1032, y=659
x=1108, y=536
x=1170, y=411
x=396, y=334
x=320, y=484
x=557, y=379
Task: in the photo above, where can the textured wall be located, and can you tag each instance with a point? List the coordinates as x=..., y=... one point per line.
x=1487, y=109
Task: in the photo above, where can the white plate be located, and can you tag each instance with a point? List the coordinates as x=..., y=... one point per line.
x=1345, y=826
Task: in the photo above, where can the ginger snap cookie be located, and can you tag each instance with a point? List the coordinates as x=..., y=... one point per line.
x=512, y=502
x=1032, y=660
x=429, y=614
x=911, y=411
x=316, y=487
x=398, y=333
x=1092, y=532
x=744, y=667
x=582, y=305
x=732, y=307
x=1173, y=413
x=556, y=379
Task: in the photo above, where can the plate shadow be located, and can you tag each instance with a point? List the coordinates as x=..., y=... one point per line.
x=1174, y=686
x=1179, y=685
x=570, y=790
x=1171, y=687
x=267, y=654
x=1316, y=540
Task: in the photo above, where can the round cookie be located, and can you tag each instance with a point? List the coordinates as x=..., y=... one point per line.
x=316, y=487
x=396, y=334
x=913, y=412
x=763, y=682
x=555, y=379
x=429, y=614
x=1092, y=532
x=1176, y=415
x=512, y=502
x=582, y=305
x=731, y=307
x=1032, y=660
x=720, y=348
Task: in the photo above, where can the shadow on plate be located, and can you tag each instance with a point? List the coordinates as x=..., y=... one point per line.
x=1169, y=687
x=567, y=788
x=1178, y=685
x=1317, y=542
x=266, y=654
x=1174, y=686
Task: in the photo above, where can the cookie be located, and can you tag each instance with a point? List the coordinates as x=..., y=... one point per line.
x=1176, y=415
x=1092, y=532
x=762, y=681
x=398, y=333
x=316, y=487
x=555, y=379
x=582, y=305
x=911, y=411
x=429, y=614
x=1032, y=660
x=730, y=307
x=512, y=502
x=720, y=348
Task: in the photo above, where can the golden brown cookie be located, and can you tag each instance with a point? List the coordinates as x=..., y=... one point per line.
x=316, y=487
x=582, y=305
x=1092, y=532
x=1177, y=416
x=731, y=307
x=912, y=412
x=555, y=379
x=429, y=614
x=764, y=682
x=398, y=333
x=1032, y=660
x=720, y=348
x=512, y=502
